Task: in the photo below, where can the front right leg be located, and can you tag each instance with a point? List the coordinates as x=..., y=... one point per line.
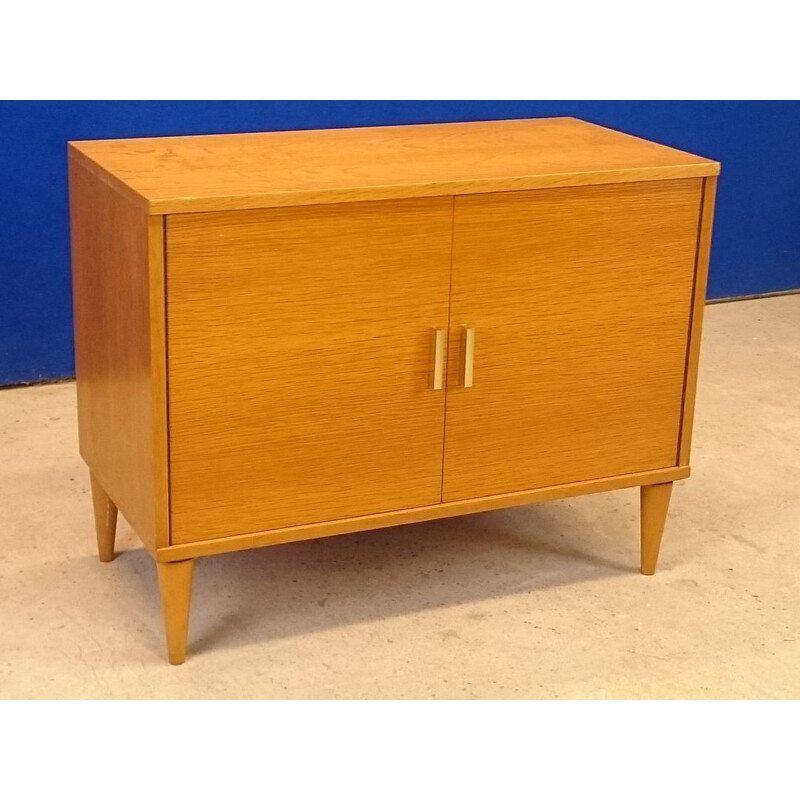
x=654, y=506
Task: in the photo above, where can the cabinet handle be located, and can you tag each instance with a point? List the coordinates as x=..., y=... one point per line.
x=438, y=359
x=469, y=357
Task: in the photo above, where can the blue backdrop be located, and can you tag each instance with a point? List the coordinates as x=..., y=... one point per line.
x=756, y=244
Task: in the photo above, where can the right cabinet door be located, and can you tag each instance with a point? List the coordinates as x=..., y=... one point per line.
x=580, y=303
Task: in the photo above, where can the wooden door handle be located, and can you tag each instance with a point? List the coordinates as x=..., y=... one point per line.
x=438, y=359
x=469, y=357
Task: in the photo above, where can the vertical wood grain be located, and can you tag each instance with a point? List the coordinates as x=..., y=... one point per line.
x=118, y=302
x=580, y=299
x=300, y=366
x=158, y=377
x=696, y=324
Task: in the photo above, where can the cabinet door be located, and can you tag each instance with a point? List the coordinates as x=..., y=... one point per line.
x=580, y=301
x=300, y=361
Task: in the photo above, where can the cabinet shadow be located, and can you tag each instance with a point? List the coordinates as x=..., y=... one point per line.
x=289, y=590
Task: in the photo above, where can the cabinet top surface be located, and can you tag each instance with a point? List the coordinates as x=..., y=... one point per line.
x=258, y=170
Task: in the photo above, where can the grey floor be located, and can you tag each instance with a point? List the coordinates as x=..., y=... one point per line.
x=537, y=602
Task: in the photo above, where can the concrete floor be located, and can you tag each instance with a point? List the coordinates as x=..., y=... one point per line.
x=536, y=602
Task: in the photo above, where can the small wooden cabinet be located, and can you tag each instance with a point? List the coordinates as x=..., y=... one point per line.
x=284, y=336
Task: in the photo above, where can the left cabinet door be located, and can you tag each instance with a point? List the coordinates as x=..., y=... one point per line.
x=299, y=363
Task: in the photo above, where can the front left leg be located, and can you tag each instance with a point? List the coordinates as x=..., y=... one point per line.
x=175, y=582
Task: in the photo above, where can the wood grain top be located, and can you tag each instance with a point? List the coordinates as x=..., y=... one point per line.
x=259, y=170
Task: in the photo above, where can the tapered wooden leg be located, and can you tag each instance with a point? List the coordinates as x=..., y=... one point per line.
x=654, y=502
x=105, y=520
x=175, y=581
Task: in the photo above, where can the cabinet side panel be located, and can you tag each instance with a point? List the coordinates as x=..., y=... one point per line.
x=118, y=303
x=696, y=324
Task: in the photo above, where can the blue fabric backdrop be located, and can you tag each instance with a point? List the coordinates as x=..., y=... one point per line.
x=756, y=243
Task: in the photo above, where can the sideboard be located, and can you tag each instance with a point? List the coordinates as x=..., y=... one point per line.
x=284, y=336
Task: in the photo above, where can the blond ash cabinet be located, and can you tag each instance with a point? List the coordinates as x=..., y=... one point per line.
x=283, y=336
